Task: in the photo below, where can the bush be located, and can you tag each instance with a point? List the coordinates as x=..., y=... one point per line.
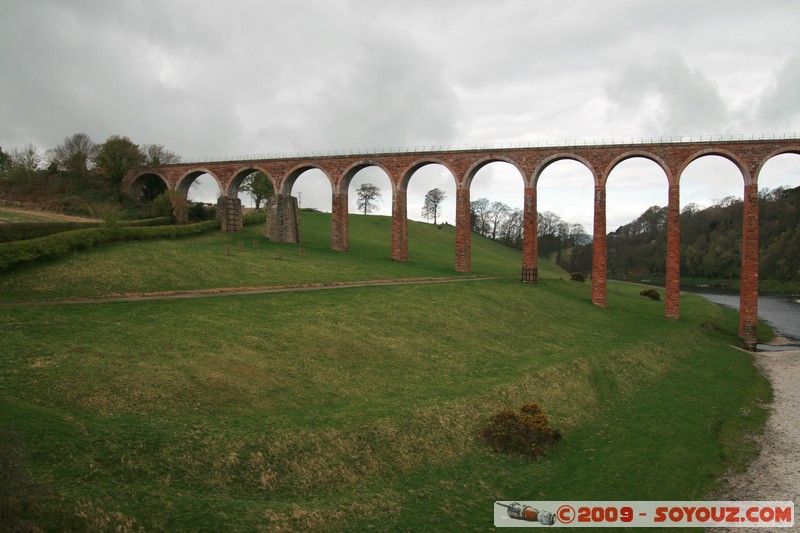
x=651, y=293
x=199, y=212
x=255, y=217
x=161, y=206
x=20, y=231
x=527, y=432
x=159, y=221
x=577, y=276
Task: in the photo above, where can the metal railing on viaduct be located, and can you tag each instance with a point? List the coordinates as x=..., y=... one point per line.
x=672, y=155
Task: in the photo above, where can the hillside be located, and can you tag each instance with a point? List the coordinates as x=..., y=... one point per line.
x=710, y=243
x=352, y=409
x=217, y=260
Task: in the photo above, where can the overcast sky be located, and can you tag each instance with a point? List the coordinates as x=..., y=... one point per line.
x=239, y=77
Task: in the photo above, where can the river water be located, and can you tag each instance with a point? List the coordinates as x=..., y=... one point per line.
x=782, y=312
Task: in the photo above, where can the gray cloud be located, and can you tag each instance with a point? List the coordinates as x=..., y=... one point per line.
x=667, y=97
x=778, y=106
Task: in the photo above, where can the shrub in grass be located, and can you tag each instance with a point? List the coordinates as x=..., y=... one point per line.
x=255, y=217
x=651, y=293
x=527, y=432
x=199, y=212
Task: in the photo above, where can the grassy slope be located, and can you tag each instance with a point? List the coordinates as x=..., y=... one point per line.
x=358, y=407
x=201, y=262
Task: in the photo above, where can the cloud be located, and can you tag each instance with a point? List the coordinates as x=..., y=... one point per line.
x=386, y=93
x=666, y=97
x=778, y=105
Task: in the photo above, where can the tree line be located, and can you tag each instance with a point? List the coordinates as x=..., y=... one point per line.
x=80, y=156
x=101, y=167
x=558, y=240
x=711, y=240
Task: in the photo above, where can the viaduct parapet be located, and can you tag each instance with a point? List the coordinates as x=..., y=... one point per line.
x=749, y=156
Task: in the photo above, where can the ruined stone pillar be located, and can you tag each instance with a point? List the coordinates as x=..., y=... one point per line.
x=748, y=293
x=283, y=219
x=399, y=224
x=340, y=239
x=599, y=259
x=463, y=258
x=530, y=239
x=673, y=285
x=229, y=212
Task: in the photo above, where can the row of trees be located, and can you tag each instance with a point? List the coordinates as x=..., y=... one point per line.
x=80, y=156
x=558, y=240
x=711, y=240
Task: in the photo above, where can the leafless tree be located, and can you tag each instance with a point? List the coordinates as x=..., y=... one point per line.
x=368, y=196
x=156, y=154
x=496, y=215
x=26, y=161
x=511, y=230
x=479, y=217
x=75, y=154
x=433, y=200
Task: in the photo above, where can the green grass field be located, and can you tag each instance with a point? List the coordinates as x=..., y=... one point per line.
x=355, y=408
x=202, y=262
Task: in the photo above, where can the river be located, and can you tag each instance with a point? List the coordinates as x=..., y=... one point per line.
x=782, y=312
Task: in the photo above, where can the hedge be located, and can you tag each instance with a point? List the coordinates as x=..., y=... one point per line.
x=13, y=253
x=160, y=221
x=18, y=231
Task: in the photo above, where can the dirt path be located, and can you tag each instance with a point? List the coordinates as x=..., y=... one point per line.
x=44, y=215
x=775, y=474
x=238, y=291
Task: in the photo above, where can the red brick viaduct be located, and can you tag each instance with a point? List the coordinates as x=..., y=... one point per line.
x=672, y=156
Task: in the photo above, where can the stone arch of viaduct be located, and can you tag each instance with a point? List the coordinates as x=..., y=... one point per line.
x=672, y=158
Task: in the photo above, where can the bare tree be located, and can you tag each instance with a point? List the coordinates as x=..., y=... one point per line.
x=156, y=154
x=479, y=218
x=75, y=154
x=6, y=160
x=547, y=223
x=433, y=200
x=26, y=161
x=368, y=196
x=496, y=215
x=511, y=230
